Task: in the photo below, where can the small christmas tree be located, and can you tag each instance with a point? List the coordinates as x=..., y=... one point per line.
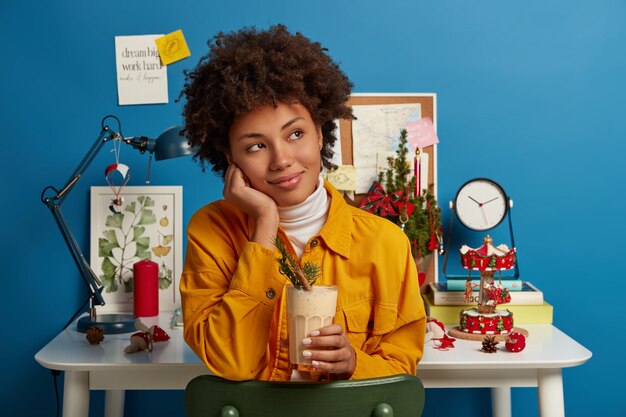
x=417, y=213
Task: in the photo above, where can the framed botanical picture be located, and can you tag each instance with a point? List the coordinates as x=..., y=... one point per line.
x=139, y=223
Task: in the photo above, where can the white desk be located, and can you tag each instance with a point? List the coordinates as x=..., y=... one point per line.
x=172, y=364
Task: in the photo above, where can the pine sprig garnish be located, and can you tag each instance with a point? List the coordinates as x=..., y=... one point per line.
x=302, y=277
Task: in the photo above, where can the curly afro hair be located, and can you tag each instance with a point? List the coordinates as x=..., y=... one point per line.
x=249, y=68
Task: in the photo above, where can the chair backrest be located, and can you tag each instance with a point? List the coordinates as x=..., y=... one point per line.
x=393, y=396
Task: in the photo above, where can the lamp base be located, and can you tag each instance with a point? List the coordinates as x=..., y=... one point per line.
x=109, y=323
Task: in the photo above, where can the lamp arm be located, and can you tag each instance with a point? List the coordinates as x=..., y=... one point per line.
x=89, y=277
x=54, y=202
x=106, y=134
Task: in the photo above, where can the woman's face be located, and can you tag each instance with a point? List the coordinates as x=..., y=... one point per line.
x=278, y=150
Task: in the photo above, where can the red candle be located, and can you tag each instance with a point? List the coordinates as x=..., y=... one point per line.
x=146, y=288
x=416, y=172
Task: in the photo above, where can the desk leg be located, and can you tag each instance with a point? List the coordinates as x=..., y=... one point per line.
x=114, y=403
x=501, y=402
x=550, y=391
x=76, y=394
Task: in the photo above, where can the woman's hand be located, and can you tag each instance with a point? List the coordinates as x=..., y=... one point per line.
x=329, y=350
x=261, y=207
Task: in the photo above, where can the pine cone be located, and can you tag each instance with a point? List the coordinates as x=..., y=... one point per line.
x=94, y=335
x=490, y=344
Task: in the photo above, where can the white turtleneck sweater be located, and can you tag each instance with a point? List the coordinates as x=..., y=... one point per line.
x=304, y=220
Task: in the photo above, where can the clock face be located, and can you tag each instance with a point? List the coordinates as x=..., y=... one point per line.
x=481, y=204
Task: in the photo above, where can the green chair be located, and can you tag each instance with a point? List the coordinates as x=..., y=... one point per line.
x=392, y=396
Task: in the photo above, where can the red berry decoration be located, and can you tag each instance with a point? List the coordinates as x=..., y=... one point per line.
x=515, y=342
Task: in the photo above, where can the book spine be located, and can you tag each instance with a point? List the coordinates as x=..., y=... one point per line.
x=522, y=314
x=459, y=284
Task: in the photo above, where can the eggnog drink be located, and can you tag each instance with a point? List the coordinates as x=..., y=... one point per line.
x=308, y=311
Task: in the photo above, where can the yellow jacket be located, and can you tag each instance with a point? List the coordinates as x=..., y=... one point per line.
x=235, y=315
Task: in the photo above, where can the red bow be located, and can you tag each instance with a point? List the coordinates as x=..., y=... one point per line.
x=377, y=200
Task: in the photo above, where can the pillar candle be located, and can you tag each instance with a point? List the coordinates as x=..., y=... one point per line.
x=146, y=288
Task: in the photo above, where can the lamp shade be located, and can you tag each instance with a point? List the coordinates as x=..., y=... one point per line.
x=171, y=144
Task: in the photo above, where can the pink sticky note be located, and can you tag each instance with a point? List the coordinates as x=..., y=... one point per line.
x=421, y=133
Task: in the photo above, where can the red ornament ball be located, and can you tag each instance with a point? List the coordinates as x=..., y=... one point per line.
x=515, y=342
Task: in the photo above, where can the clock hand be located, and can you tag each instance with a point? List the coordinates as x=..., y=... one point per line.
x=470, y=197
x=482, y=210
x=489, y=201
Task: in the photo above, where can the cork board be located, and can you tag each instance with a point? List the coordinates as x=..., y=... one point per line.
x=427, y=102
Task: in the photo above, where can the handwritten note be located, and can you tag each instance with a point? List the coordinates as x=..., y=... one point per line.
x=421, y=133
x=172, y=47
x=141, y=79
x=343, y=178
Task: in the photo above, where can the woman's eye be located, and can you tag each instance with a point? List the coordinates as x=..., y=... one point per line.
x=255, y=148
x=296, y=135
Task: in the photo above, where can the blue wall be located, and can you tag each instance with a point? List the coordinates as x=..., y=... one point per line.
x=529, y=93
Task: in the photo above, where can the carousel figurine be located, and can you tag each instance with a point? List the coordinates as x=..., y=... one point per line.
x=486, y=319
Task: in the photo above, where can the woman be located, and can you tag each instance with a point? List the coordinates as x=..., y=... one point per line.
x=260, y=110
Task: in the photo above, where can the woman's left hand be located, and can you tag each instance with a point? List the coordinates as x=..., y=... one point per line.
x=329, y=350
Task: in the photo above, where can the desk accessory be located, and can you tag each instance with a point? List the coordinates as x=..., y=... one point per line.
x=526, y=294
x=454, y=285
x=94, y=335
x=146, y=336
x=177, y=319
x=169, y=144
x=485, y=319
x=146, y=288
x=480, y=204
x=516, y=342
x=436, y=332
x=490, y=344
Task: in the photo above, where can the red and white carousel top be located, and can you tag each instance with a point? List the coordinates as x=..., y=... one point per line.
x=488, y=257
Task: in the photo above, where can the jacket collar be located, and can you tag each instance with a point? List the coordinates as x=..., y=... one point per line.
x=337, y=232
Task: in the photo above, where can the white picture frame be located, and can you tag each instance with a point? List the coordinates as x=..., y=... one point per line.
x=149, y=222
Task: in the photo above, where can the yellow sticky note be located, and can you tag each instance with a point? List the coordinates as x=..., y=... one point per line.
x=172, y=47
x=343, y=178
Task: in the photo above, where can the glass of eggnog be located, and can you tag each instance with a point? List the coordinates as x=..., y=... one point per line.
x=308, y=311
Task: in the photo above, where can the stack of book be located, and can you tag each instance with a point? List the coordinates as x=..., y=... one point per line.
x=444, y=301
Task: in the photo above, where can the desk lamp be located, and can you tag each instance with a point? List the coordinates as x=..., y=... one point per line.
x=169, y=144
